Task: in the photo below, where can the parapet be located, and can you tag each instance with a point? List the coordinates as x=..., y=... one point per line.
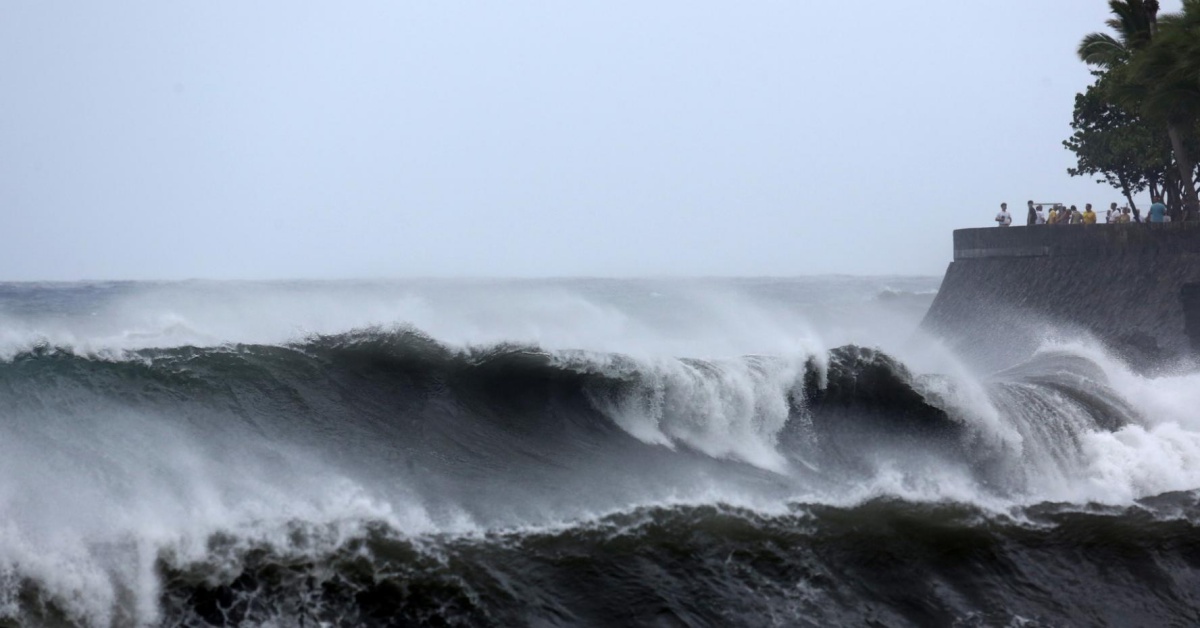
x=1076, y=240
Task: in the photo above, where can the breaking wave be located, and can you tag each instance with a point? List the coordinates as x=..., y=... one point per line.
x=386, y=477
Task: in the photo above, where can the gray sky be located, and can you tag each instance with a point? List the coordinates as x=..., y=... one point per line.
x=269, y=139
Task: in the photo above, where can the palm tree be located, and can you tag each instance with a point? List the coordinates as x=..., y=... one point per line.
x=1132, y=23
x=1167, y=73
x=1151, y=65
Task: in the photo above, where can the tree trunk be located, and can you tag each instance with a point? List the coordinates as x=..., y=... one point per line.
x=1151, y=7
x=1137, y=215
x=1125, y=190
x=1168, y=193
x=1191, y=202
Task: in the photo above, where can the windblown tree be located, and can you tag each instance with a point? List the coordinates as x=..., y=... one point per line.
x=1149, y=69
x=1130, y=155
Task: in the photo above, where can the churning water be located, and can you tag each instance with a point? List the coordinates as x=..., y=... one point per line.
x=575, y=452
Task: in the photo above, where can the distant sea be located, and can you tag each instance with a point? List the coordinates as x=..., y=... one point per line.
x=575, y=452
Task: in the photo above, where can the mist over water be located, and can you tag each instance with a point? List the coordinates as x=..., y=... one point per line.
x=699, y=316
x=519, y=452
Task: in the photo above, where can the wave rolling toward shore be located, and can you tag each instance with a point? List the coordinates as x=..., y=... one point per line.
x=574, y=453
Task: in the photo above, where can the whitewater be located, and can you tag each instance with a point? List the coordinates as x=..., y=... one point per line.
x=659, y=452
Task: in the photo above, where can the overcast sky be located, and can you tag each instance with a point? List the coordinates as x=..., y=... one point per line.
x=316, y=139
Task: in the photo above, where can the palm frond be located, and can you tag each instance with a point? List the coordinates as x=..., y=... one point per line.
x=1102, y=50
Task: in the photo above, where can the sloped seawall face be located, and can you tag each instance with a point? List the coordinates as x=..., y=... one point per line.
x=1135, y=287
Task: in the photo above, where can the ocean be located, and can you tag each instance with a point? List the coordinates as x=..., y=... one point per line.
x=576, y=452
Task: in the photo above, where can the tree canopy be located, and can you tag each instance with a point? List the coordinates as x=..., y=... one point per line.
x=1138, y=125
x=1125, y=151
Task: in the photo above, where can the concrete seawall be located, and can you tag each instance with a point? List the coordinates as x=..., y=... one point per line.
x=1135, y=287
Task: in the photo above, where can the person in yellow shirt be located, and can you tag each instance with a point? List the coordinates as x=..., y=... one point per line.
x=1089, y=216
x=1052, y=219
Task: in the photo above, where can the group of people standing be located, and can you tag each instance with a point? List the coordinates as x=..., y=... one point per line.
x=1061, y=215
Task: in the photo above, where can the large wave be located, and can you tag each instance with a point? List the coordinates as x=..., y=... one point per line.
x=386, y=476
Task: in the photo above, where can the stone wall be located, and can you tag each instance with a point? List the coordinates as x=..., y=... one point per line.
x=1135, y=287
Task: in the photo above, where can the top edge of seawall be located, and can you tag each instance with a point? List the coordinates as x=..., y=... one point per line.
x=1100, y=240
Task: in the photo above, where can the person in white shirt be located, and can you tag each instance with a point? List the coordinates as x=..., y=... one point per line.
x=1003, y=219
x=1112, y=214
x=1040, y=217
